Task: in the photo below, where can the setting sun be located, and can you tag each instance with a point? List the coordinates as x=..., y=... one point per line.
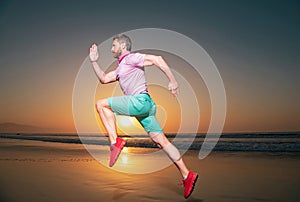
x=125, y=121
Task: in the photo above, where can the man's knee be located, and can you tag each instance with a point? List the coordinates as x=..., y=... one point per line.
x=100, y=104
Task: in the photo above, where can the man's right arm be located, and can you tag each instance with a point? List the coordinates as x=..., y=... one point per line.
x=103, y=77
x=161, y=63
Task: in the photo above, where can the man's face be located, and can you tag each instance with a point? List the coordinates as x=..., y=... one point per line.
x=116, y=48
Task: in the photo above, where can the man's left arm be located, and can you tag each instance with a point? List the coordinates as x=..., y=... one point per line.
x=161, y=63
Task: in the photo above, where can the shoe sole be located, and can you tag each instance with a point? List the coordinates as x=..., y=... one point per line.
x=195, y=180
x=121, y=148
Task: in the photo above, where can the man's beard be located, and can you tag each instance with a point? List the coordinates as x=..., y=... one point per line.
x=118, y=54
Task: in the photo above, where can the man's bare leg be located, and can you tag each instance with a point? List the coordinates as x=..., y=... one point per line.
x=171, y=151
x=108, y=119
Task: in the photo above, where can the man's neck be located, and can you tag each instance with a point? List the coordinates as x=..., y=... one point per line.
x=122, y=56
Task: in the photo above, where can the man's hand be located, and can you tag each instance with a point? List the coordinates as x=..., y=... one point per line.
x=94, y=53
x=174, y=88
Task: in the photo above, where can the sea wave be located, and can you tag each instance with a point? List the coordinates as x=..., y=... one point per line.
x=270, y=142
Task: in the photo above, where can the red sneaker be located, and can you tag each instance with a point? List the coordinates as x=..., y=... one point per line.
x=189, y=184
x=115, y=151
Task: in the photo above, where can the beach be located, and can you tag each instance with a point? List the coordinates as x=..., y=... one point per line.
x=43, y=171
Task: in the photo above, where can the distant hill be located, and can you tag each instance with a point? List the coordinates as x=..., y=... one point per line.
x=21, y=128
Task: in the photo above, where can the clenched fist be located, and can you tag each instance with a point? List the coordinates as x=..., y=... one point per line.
x=174, y=88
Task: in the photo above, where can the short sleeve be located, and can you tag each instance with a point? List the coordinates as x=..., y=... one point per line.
x=136, y=59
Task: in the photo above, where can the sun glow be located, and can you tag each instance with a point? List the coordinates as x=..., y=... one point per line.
x=124, y=159
x=125, y=121
x=129, y=125
x=124, y=155
x=125, y=150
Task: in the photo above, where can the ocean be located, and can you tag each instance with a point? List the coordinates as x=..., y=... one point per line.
x=262, y=142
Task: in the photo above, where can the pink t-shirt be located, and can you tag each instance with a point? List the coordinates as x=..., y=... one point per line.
x=131, y=73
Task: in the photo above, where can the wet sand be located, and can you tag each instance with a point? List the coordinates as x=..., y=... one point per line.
x=41, y=171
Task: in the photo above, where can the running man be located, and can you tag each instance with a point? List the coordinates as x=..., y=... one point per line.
x=136, y=102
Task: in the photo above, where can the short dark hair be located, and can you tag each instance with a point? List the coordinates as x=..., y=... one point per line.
x=124, y=39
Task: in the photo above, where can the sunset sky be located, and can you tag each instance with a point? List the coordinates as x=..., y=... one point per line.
x=254, y=44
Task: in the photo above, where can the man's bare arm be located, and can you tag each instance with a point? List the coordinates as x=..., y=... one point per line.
x=160, y=62
x=102, y=76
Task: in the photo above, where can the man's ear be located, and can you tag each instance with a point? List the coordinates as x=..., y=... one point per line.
x=123, y=46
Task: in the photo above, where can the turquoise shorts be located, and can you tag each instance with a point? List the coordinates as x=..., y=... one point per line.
x=140, y=106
